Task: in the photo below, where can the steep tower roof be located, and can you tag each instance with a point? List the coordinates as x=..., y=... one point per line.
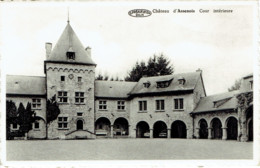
x=69, y=42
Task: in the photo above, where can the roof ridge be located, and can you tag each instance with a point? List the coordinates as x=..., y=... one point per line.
x=26, y=76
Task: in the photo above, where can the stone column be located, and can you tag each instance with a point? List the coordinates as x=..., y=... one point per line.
x=197, y=133
x=151, y=133
x=112, y=131
x=224, y=133
x=168, y=133
x=209, y=133
x=242, y=134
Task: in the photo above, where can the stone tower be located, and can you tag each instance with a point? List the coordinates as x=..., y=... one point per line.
x=70, y=75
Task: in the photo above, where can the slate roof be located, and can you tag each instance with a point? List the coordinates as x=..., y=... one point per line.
x=69, y=41
x=226, y=101
x=25, y=85
x=113, y=89
x=190, y=83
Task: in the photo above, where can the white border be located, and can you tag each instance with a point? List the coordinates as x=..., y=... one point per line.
x=153, y=163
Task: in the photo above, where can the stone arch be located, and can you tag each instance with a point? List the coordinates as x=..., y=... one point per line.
x=160, y=129
x=70, y=70
x=142, y=129
x=55, y=69
x=76, y=70
x=216, y=130
x=103, y=126
x=203, y=129
x=60, y=69
x=81, y=70
x=178, y=129
x=65, y=69
x=121, y=127
x=232, y=127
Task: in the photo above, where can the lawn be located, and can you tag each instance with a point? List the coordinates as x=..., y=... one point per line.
x=127, y=149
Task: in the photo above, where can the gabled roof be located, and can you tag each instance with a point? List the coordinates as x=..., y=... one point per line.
x=113, y=89
x=69, y=41
x=25, y=85
x=225, y=101
x=190, y=83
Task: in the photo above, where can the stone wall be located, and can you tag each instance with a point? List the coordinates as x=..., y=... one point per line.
x=71, y=85
x=168, y=116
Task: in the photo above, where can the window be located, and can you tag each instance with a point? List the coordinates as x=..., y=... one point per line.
x=62, y=78
x=178, y=104
x=79, y=79
x=142, y=105
x=36, y=125
x=36, y=103
x=71, y=55
x=121, y=105
x=79, y=97
x=14, y=126
x=147, y=84
x=251, y=85
x=79, y=114
x=160, y=105
x=163, y=84
x=63, y=97
x=102, y=105
x=62, y=122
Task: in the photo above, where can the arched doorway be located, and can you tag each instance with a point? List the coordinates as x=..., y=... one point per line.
x=142, y=130
x=121, y=127
x=232, y=128
x=203, y=131
x=102, y=127
x=249, y=119
x=216, y=129
x=79, y=125
x=160, y=130
x=178, y=130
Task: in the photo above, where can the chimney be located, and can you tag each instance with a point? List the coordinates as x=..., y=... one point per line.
x=48, y=47
x=88, y=50
x=199, y=70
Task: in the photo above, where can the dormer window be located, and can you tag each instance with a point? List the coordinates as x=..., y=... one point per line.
x=181, y=81
x=164, y=84
x=147, y=84
x=71, y=55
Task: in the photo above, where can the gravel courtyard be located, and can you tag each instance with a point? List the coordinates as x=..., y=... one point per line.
x=127, y=149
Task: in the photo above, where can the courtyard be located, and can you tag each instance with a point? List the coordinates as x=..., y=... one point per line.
x=127, y=149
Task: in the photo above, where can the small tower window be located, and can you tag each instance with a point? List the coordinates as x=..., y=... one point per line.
x=62, y=78
x=71, y=55
x=79, y=79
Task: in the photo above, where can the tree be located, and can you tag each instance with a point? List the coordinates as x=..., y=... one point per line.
x=25, y=118
x=156, y=65
x=11, y=117
x=52, y=112
x=236, y=85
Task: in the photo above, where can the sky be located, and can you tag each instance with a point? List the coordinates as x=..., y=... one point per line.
x=222, y=45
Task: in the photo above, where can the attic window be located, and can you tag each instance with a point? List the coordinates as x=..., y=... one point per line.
x=164, y=84
x=181, y=81
x=71, y=55
x=147, y=84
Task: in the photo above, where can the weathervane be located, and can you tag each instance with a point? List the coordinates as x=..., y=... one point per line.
x=68, y=15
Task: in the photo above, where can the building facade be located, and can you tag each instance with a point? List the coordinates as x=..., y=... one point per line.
x=171, y=106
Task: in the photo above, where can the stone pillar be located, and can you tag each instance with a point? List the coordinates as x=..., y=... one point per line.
x=168, y=133
x=197, y=133
x=129, y=128
x=209, y=133
x=242, y=134
x=112, y=131
x=224, y=133
x=151, y=133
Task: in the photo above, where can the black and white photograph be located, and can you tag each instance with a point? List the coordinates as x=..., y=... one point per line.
x=173, y=82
